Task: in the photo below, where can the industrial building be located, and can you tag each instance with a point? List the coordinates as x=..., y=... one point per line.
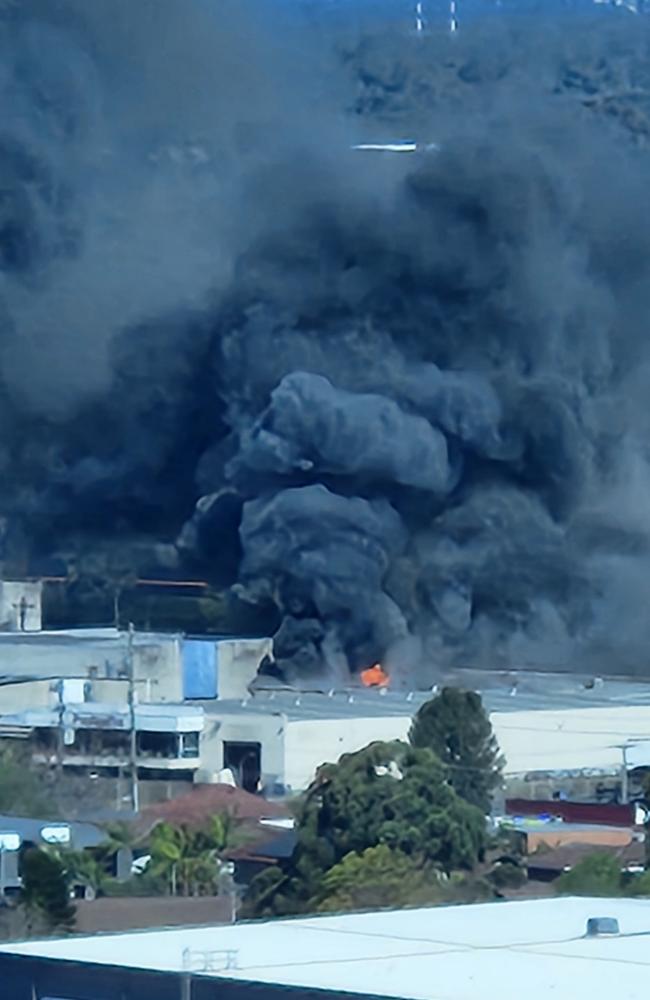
x=565, y=741
x=68, y=692
x=166, y=667
x=277, y=739
x=69, y=695
x=562, y=947
x=97, y=736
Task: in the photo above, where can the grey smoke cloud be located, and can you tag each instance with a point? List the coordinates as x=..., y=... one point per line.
x=312, y=426
x=125, y=129
x=325, y=557
x=407, y=395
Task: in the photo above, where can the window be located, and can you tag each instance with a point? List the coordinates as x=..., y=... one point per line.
x=189, y=745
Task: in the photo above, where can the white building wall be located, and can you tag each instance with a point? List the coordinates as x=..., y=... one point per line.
x=576, y=739
x=15, y=698
x=237, y=663
x=157, y=662
x=268, y=730
x=99, y=657
x=308, y=744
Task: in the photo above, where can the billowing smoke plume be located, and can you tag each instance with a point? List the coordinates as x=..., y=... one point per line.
x=407, y=394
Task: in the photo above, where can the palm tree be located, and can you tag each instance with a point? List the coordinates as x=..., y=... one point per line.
x=82, y=868
x=190, y=859
x=121, y=838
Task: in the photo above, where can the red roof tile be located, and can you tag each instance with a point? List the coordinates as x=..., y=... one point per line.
x=204, y=801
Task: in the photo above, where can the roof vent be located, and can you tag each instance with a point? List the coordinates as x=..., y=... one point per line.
x=597, y=926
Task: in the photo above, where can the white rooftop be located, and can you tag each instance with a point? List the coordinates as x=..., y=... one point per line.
x=534, y=949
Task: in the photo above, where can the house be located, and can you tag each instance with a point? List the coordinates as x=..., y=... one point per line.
x=546, y=834
x=264, y=831
x=546, y=866
x=197, y=806
x=19, y=832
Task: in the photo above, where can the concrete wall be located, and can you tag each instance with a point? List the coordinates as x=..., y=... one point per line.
x=237, y=663
x=269, y=730
x=308, y=744
x=15, y=698
x=120, y=914
x=291, y=751
x=156, y=665
x=157, y=662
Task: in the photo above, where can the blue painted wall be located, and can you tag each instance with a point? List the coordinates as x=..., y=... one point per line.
x=200, y=669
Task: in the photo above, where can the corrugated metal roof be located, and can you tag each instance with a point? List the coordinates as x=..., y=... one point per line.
x=299, y=707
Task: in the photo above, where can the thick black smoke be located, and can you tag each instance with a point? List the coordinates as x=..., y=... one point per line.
x=407, y=393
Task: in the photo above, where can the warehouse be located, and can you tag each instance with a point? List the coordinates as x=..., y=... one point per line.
x=556, y=735
x=564, y=947
x=277, y=739
x=569, y=739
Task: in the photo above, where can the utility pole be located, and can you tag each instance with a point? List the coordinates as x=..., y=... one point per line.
x=133, y=736
x=60, y=727
x=625, y=788
x=186, y=975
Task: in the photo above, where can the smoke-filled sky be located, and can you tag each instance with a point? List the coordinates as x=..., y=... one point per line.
x=407, y=395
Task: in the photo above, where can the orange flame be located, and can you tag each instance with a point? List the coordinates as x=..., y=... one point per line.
x=375, y=676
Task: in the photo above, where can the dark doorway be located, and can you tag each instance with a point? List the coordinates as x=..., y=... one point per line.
x=244, y=760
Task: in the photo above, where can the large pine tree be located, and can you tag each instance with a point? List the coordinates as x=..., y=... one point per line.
x=456, y=727
x=387, y=793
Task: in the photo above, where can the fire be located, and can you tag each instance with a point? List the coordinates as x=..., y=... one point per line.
x=375, y=676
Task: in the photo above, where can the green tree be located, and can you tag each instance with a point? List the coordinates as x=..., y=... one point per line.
x=598, y=874
x=385, y=878
x=507, y=875
x=190, y=859
x=637, y=885
x=379, y=877
x=45, y=892
x=456, y=727
x=387, y=793
x=82, y=868
x=24, y=788
x=121, y=837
